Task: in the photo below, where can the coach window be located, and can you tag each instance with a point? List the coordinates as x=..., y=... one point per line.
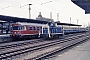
x=37, y=28
x=34, y=28
x=30, y=28
x=15, y=28
x=40, y=28
x=22, y=28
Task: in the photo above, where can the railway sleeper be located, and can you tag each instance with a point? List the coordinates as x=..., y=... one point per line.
x=40, y=56
x=4, y=56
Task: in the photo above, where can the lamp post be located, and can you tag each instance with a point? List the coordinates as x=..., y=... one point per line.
x=58, y=17
x=29, y=10
x=70, y=20
x=77, y=21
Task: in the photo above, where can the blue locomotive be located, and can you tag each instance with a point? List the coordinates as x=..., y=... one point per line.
x=54, y=29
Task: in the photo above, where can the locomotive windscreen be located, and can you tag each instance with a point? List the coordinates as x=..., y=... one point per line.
x=15, y=28
x=18, y=28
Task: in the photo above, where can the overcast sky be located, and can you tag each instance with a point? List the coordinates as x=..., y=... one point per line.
x=65, y=8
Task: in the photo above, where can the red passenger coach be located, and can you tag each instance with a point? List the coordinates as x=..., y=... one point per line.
x=26, y=30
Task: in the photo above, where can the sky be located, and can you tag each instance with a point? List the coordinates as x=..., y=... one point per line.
x=65, y=8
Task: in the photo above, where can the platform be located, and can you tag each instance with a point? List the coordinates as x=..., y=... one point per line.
x=80, y=52
x=4, y=37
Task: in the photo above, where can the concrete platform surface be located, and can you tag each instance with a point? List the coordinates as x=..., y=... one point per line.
x=5, y=35
x=80, y=52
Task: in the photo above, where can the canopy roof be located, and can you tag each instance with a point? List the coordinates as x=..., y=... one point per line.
x=17, y=19
x=68, y=24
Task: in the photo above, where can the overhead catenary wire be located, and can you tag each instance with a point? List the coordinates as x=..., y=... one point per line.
x=5, y=7
x=43, y=3
x=40, y=4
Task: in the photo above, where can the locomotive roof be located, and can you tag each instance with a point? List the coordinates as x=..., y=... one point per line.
x=17, y=19
x=67, y=24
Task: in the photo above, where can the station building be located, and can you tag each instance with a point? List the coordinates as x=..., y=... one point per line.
x=40, y=17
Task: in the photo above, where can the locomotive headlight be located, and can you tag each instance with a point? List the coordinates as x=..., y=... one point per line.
x=14, y=32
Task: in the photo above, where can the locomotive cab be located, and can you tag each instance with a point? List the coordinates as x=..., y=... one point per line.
x=16, y=30
x=45, y=31
x=49, y=30
x=26, y=30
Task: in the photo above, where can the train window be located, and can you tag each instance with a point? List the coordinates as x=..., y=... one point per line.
x=30, y=28
x=15, y=28
x=37, y=28
x=40, y=28
x=34, y=28
x=22, y=28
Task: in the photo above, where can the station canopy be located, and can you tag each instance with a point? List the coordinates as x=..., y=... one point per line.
x=68, y=24
x=17, y=19
x=84, y=4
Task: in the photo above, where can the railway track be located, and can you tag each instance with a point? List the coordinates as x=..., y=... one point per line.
x=18, y=50
x=17, y=44
x=42, y=53
x=13, y=46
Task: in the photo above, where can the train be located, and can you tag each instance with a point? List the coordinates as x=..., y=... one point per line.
x=25, y=30
x=56, y=30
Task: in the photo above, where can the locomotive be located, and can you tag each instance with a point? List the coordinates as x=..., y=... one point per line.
x=49, y=30
x=26, y=30
x=53, y=30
